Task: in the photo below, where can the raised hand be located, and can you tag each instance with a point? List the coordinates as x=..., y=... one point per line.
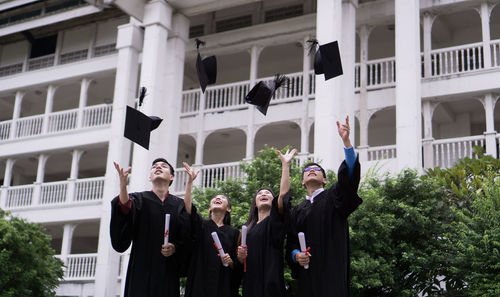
x=123, y=174
x=344, y=131
x=287, y=157
x=190, y=172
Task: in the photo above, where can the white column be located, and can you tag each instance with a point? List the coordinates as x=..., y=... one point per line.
x=84, y=90
x=17, y=113
x=348, y=52
x=157, y=22
x=254, y=63
x=200, y=139
x=129, y=44
x=92, y=41
x=7, y=178
x=73, y=176
x=49, y=103
x=170, y=108
x=59, y=44
x=428, y=110
x=364, y=35
x=408, y=99
x=485, y=12
x=490, y=134
x=304, y=123
x=40, y=174
x=329, y=104
x=67, y=239
x=427, y=21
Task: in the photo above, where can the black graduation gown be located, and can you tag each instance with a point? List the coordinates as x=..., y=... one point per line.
x=207, y=277
x=326, y=230
x=149, y=273
x=264, y=274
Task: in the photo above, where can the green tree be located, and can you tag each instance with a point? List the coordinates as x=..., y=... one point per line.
x=27, y=263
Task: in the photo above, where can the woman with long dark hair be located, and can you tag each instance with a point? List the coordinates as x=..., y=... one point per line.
x=211, y=275
x=266, y=231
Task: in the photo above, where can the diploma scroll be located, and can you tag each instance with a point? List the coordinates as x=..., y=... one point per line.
x=302, y=242
x=244, y=245
x=167, y=226
x=218, y=245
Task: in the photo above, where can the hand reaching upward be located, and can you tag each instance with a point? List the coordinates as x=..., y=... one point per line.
x=344, y=131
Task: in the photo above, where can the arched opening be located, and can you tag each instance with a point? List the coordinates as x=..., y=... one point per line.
x=382, y=127
x=290, y=59
x=497, y=115
x=458, y=118
x=495, y=23
x=289, y=134
x=6, y=111
x=101, y=90
x=58, y=167
x=66, y=97
x=186, y=150
x=223, y=146
x=311, y=139
x=85, y=238
x=24, y=171
x=456, y=28
x=381, y=43
x=34, y=102
x=93, y=162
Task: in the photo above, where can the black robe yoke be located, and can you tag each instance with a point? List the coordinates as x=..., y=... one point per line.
x=326, y=230
x=207, y=276
x=264, y=275
x=149, y=273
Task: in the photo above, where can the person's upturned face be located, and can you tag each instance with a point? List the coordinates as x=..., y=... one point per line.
x=160, y=171
x=219, y=202
x=264, y=198
x=313, y=174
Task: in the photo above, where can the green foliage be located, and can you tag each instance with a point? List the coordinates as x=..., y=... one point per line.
x=27, y=263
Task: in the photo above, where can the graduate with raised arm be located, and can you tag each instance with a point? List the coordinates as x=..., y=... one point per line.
x=139, y=218
x=322, y=217
x=265, y=237
x=211, y=275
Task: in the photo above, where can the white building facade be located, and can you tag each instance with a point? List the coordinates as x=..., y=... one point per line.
x=421, y=85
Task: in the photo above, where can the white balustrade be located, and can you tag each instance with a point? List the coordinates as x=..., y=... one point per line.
x=62, y=121
x=457, y=59
x=97, y=115
x=227, y=96
x=382, y=152
x=495, y=53
x=289, y=91
x=89, y=189
x=357, y=75
x=73, y=56
x=80, y=267
x=5, y=130
x=19, y=196
x=103, y=50
x=190, y=102
x=381, y=73
x=448, y=151
x=212, y=174
x=180, y=180
x=29, y=126
x=11, y=69
x=41, y=62
x=53, y=193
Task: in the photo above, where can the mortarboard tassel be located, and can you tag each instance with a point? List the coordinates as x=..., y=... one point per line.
x=313, y=43
x=142, y=94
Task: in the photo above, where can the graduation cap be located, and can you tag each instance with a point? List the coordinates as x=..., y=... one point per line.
x=327, y=59
x=262, y=92
x=138, y=126
x=206, y=68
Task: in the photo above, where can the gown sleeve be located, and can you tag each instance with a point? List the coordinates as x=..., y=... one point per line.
x=182, y=240
x=278, y=223
x=292, y=242
x=122, y=225
x=343, y=196
x=196, y=223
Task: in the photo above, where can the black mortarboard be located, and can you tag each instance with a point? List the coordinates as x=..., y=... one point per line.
x=138, y=126
x=262, y=92
x=206, y=68
x=327, y=59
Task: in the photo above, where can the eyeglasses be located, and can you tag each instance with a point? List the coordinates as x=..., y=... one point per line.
x=315, y=168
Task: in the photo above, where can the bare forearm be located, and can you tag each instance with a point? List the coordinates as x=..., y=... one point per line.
x=124, y=198
x=187, y=197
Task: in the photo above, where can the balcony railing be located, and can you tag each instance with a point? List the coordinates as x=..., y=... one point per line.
x=378, y=153
x=80, y=267
x=495, y=53
x=448, y=151
x=457, y=59
x=91, y=116
x=50, y=60
x=54, y=193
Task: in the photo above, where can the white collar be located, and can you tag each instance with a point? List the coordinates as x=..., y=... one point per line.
x=314, y=194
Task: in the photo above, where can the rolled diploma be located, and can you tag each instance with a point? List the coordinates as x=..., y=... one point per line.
x=243, y=236
x=167, y=225
x=218, y=245
x=302, y=242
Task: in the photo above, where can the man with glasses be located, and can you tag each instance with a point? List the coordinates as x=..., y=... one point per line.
x=323, y=268
x=138, y=218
